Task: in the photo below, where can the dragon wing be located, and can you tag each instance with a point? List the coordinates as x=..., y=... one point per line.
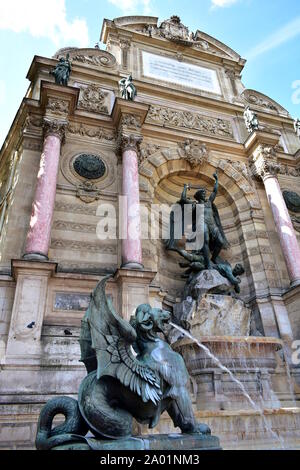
x=111, y=338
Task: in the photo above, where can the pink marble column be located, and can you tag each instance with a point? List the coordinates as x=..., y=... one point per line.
x=284, y=226
x=38, y=237
x=131, y=244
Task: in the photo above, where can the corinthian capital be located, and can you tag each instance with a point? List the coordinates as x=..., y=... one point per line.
x=129, y=142
x=264, y=162
x=55, y=127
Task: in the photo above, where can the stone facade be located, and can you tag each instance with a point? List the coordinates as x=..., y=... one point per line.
x=173, y=133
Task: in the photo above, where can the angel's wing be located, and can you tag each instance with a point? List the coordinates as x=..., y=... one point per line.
x=111, y=339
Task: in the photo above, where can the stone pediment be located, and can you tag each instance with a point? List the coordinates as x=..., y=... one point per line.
x=89, y=56
x=262, y=102
x=173, y=30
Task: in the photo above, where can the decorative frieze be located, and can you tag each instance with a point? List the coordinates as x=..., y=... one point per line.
x=75, y=208
x=288, y=171
x=83, y=246
x=168, y=117
x=73, y=226
x=97, y=133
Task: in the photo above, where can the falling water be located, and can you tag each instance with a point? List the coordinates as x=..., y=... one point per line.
x=234, y=379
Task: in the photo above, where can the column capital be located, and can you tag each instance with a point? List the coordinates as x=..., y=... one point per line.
x=128, y=118
x=264, y=162
x=55, y=127
x=261, y=150
x=129, y=142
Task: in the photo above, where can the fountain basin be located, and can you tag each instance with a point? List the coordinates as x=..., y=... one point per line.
x=253, y=361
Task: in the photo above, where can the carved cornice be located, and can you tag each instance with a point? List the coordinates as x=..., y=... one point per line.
x=55, y=127
x=264, y=162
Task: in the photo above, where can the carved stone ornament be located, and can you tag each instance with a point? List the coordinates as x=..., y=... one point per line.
x=146, y=150
x=93, y=99
x=255, y=98
x=90, y=56
x=129, y=142
x=264, y=163
x=98, y=133
x=89, y=166
x=168, y=117
x=88, y=192
x=194, y=152
x=173, y=30
x=55, y=127
x=289, y=171
x=132, y=121
x=58, y=106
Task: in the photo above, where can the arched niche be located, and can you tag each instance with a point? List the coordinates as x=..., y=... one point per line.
x=162, y=177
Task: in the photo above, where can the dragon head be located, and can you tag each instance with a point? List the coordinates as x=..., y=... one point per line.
x=148, y=321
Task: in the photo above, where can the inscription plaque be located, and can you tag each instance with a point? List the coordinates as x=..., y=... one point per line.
x=181, y=73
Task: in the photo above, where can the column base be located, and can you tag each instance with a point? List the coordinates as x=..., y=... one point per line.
x=133, y=289
x=35, y=257
x=132, y=265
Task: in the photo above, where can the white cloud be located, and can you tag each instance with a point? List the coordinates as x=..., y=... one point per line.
x=131, y=6
x=43, y=18
x=223, y=3
x=282, y=35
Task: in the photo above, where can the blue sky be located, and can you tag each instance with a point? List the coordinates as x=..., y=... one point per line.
x=266, y=32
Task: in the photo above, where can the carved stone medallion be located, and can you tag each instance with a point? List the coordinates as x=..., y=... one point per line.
x=87, y=170
x=89, y=166
x=292, y=200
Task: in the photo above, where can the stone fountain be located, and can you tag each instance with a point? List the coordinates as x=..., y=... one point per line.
x=234, y=368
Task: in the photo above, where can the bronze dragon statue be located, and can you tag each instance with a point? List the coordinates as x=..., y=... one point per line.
x=132, y=373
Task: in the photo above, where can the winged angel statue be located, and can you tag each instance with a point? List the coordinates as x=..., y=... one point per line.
x=132, y=372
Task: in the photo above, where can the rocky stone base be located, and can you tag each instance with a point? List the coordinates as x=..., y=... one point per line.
x=220, y=315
